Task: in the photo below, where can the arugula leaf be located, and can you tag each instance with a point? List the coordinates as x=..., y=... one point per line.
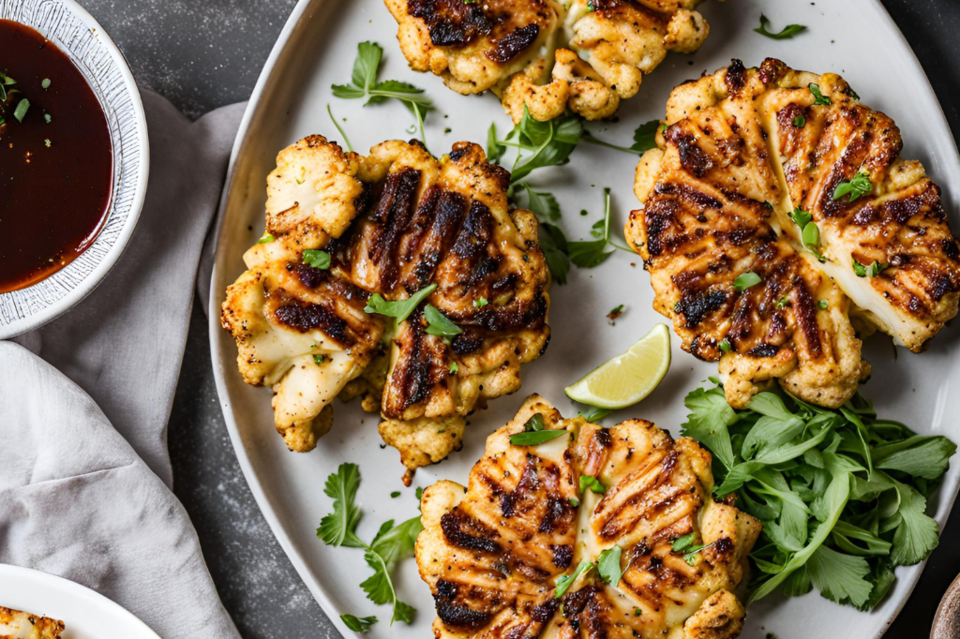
x=592, y=484
x=565, y=581
x=401, y=310
x=857, y=187
x=708, y=422
x=840, y=577
x=608, y=565
x=784, y=34
x=439, y=324
x=358, y=624
x=338, y=528
x=317, y=259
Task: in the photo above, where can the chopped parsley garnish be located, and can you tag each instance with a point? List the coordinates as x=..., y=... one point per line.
x=400, y=310
x=592, y=484
x=358, y=624
x=783, y=301
x=438, y=324
x=616, y=312
x=799, y=121
x=480, y=302
x=21, y=111
x=680, y=544
x=608, y=565
x=871, y=270
x=565, y=581
x=365, y=86
x=318, y=359
x=859, y=186
x=745, y=281
x=823, y=305
x=534, y=434
x=801, y=217
x=454, y=368
x=594, y=414
x=592, y=253
x=391, y=543
x=317, y=259
x=725, y=345
x=821, y=100
x=45, y=83
x=784, y=34
x=47, y=118
x=841, y=494
x=394, y=494
x=46, y=142
x=266, y=239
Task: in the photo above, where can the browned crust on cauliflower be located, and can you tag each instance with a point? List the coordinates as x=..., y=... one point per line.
x=492, y=552
x=392, y=223
x=547, y=55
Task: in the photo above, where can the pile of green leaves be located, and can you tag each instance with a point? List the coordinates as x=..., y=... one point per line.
x=391, y=544
x=545, y=144
x=841, y=494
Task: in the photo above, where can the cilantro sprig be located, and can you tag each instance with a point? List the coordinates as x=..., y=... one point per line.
x=400, y=310
x=841, y=494
x=856, y=187
x=365, y=86
x=391, y=544
x=592, y=253
x=784, y=34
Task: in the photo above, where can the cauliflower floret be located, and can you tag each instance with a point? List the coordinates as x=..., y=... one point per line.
x=550, y=55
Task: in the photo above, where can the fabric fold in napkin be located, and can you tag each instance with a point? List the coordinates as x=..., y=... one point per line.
x=84, y=401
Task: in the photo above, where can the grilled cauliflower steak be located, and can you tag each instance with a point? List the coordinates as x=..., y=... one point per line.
x=494, y=552
x=342, y=228
x=15, y=624
x=547, y=55
x=747, y=154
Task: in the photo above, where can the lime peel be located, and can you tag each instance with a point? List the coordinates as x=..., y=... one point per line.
x=628, y=378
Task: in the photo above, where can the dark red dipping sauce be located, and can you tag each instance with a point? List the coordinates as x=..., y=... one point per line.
x=55, y=166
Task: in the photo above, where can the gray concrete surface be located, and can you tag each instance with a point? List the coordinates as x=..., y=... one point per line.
x=206, y=53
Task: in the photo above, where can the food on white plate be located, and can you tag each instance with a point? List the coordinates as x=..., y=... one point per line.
x=15, y=624
x=547, y=55
x=779, y=225
x=568, y=529
x=396, y=277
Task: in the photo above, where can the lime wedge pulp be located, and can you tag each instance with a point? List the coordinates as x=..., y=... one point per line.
x=628, y=378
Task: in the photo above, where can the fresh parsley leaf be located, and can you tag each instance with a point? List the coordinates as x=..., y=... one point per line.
x=480, y=302
x=680, y=544
x=535, y=438
x=917, y=535
x=784, y=34
x=21, y=111
x=438, y=324
x=821, y=100
x=318, y=359
x=364, y=85
x=608, y=565
x=316, y=259
x=592, y=484
x=840, y=577
x=565, y=581
x=338, y=528
x=799, y=121
x=725, y=345
x=871, y=270
x=400, y=310
x=645, y=136
x=708, y=422
x=543, y=205
x=358, y=624
x=857, y=187
x=823, y=305
x=745, y=281
x=801, y=217
x=594, y=414
x=542, y=144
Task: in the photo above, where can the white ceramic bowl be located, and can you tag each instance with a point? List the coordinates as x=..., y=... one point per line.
x=76, y=33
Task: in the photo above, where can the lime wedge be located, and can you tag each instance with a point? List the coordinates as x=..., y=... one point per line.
x=625, y=380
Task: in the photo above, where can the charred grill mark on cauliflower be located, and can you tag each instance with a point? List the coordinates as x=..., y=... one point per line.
x=392, y=223
x=547, y=55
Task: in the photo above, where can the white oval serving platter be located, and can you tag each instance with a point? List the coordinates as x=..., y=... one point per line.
x=317, y=49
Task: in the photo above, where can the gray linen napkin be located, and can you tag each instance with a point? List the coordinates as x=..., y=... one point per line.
x=85, y=472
